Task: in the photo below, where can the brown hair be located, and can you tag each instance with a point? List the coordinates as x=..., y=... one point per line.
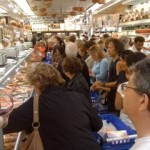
x=107, y=41
x=97, y=49
x=45, y=75
x=72, y=38
x=119, y=47
x=79, y=43
x=81, y=46
x=72, y=65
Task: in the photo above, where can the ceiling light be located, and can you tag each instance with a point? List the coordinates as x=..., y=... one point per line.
x=110, y=5
x=34, y=16
x=96, y=6
x=24, y=6
x=15, y=10
x=2, y=10
x=10, y=6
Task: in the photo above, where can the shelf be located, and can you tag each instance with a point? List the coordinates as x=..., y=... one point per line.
x=134, y=23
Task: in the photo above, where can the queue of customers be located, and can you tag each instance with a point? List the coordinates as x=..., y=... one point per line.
x=79, y=67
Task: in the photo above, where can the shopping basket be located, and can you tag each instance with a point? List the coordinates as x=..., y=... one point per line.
x=98, y=102
x=117, y=143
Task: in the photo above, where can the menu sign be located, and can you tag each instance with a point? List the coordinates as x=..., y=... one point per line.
x=46, y=20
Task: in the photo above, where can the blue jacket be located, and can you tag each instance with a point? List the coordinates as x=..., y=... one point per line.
x=100, y=69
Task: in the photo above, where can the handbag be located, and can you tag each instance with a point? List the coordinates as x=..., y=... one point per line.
x=33, y=140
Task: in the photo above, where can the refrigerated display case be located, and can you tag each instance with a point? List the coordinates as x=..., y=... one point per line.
x=12, y=71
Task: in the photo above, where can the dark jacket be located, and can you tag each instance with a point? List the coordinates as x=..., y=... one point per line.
x=79, y=84
x=66, y=120
x=112, y=78
x=84, y=57
x=85, y=72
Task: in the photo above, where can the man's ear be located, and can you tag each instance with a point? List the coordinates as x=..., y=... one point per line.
x=143, y=102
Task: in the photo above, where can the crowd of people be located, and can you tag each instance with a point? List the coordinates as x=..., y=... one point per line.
x=108, y=64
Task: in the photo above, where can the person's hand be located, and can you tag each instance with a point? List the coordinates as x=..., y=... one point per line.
x=93, y=76
x=120, y=66
x=97, y=83
x=95, y=87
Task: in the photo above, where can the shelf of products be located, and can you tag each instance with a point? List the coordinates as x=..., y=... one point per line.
x=135, y=23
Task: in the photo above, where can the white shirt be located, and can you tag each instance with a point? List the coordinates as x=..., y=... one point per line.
x=71, y=49
x=133, y=48
x=142, y=144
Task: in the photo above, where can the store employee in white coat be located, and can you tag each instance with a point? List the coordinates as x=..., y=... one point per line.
x=138, y=44
x=136, y=103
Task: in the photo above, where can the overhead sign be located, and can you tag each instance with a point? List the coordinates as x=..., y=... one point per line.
x=46, y=20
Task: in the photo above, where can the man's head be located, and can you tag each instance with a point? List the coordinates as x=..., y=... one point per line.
x=139, y=42
x=72, y=38
x=5, y=42
x=137, y=93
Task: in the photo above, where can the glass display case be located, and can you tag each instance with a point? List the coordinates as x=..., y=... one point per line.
x=10, y=84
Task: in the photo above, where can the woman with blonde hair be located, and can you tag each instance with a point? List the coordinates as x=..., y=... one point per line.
x=99, y=70
x=66, y=118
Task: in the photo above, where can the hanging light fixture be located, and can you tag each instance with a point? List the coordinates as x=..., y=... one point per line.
x=72, y=13
x=53, y=15
x=98, y=1
x=78, y=7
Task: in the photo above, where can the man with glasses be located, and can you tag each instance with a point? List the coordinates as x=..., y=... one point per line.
x=136, y=102
x=127, y=60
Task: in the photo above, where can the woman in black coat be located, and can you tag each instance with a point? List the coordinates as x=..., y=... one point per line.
x=72, y=67
x=66, y=118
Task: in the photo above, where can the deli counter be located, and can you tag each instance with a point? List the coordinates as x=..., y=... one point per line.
x=14, y=83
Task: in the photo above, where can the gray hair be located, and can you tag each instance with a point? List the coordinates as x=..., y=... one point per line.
x=44, y=74
x=142, y=76
x=125, y=40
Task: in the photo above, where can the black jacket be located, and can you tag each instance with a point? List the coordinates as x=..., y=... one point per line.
x=66, y=120
x=85, y=72
x=79, y=84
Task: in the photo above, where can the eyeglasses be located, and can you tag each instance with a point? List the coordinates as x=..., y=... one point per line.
x=125, y=87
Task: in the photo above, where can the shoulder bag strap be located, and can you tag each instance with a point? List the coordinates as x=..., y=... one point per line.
x=36, y=122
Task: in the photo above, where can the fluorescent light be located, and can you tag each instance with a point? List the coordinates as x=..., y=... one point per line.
x=24, y=6
x=96, y=6
x=15, y=10
x=10, y=6
x=2, y=10
x=115, y=2
x=34, y=16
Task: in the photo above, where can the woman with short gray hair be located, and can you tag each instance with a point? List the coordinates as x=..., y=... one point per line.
x=66, y=117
